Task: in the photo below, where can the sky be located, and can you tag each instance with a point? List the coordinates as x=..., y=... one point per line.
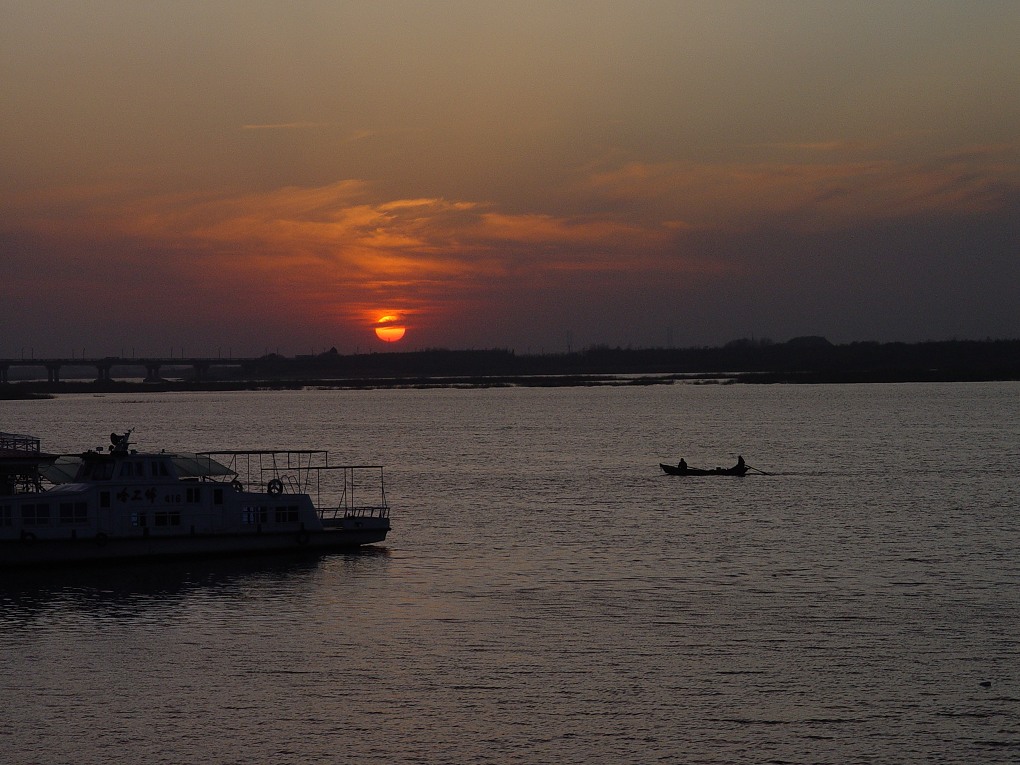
x=221, y=177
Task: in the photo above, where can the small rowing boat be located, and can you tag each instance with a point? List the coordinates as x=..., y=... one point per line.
x=739, y=469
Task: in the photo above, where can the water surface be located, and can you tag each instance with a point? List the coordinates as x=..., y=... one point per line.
x=547, y=595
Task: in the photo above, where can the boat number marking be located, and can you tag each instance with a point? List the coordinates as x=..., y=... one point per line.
x=137, y=496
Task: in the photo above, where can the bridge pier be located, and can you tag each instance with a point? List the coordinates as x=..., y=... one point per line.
x=152, y=371
x=201, y=370
x=200, y=367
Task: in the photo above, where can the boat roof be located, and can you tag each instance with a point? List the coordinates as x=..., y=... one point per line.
x=242, y=452
x=65, y=468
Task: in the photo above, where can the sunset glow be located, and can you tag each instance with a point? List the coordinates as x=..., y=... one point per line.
x=720, y=175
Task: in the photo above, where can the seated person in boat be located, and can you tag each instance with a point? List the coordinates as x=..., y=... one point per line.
x=682, y=467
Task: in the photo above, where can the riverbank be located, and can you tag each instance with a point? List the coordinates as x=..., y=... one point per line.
x=808, y=360
x=40, y=389
x=44, y=390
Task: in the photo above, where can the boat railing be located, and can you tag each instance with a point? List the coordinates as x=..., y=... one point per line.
x=13, y=442
x=358, y=491
x=256, y=468
x=19, y=474
x=337, y=491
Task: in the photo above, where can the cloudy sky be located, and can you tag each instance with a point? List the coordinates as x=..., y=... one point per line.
x=221, y=176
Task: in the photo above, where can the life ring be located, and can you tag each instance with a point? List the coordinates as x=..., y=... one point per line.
x=236, y=485
x=302, y=538
x=102, y=539
x=275, y=486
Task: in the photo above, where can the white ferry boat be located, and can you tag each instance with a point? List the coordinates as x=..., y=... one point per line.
x=122, y=503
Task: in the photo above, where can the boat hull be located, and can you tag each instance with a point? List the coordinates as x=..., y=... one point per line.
x=82, y=550
x=674, y=470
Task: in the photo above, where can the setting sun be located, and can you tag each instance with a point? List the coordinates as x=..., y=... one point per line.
x=389, y=329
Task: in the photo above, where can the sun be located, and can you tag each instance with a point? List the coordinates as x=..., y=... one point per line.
x=389, y=328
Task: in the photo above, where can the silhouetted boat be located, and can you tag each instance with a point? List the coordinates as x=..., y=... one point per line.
x=737, y=470
x=125, y=504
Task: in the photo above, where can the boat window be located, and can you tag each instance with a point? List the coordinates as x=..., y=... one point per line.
x=128, y=469
x=252, y=515
x=5, y=515
x=288, y=514
x=168, y=518
x=35, y=514
x=217, y=496
x=104, y=499
x=97, y=471
x=193, y=495
x=74, y=512
x=138, y=519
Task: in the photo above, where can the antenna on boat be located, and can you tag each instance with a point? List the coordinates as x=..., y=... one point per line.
x=120, y=443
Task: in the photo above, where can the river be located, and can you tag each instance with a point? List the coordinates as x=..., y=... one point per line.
x=547, y=594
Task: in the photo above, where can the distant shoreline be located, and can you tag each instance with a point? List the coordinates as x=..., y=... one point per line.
x=35, y=390
x=39, y=389
x=806, y=360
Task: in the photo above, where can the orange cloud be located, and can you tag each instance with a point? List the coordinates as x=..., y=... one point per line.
x=343, y=250
x=805, y=195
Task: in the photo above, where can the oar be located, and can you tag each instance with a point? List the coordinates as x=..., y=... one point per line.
x=756, y=470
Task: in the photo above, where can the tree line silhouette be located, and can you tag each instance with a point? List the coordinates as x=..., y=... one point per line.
x=801, y=360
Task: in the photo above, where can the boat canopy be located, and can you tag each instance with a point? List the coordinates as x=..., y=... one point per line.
x=199, y=466
x=65, y=468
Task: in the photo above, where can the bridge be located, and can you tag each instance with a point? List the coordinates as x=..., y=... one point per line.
x=108, y=367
